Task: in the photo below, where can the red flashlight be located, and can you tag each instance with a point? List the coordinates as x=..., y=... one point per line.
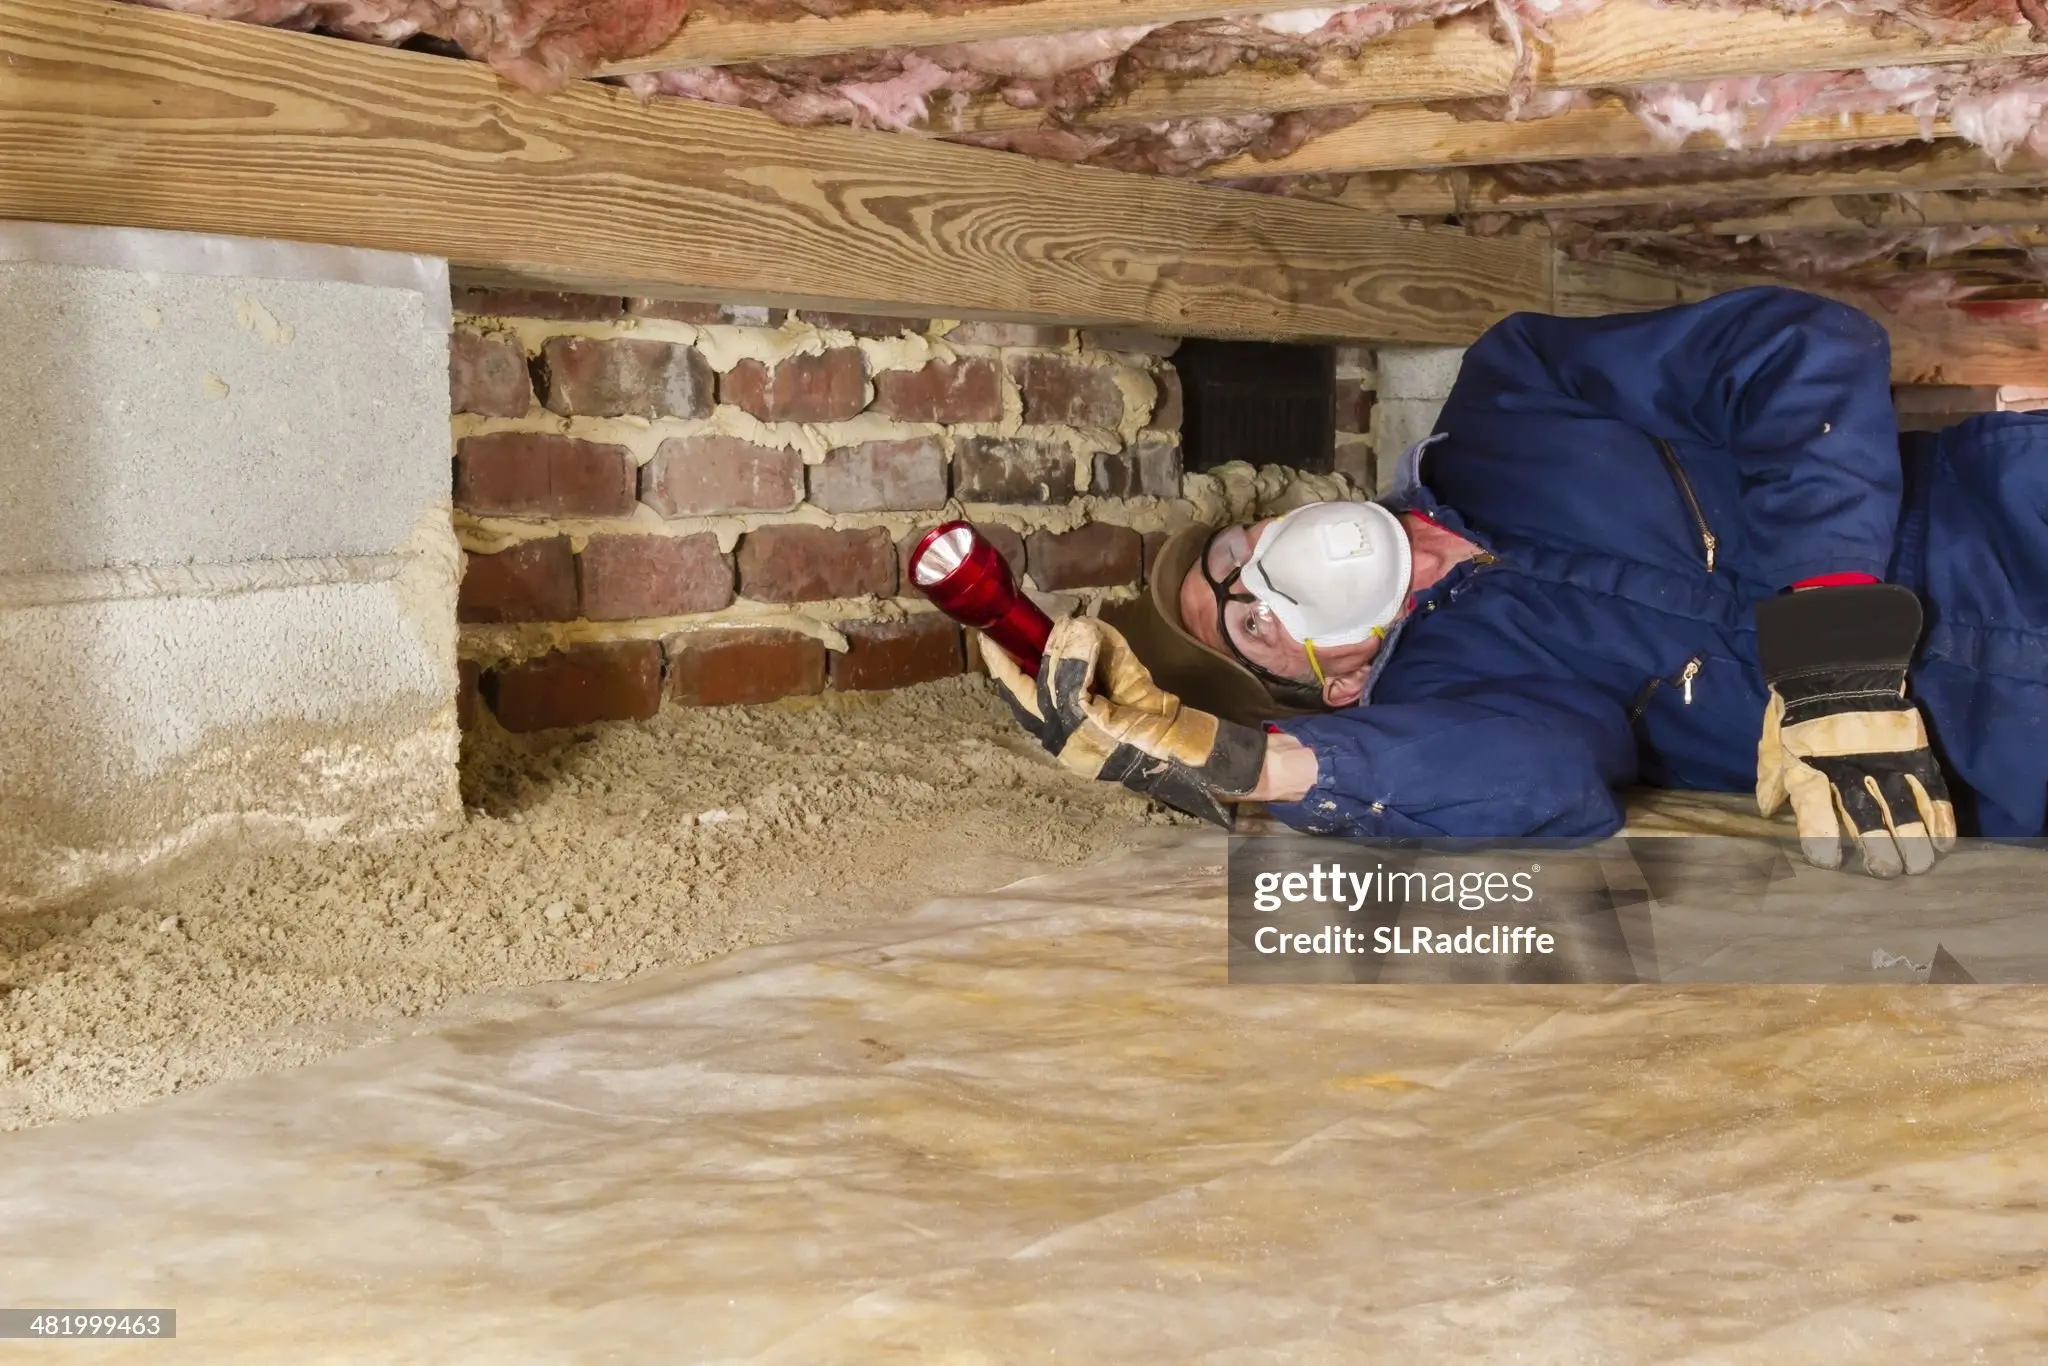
x=967, y=578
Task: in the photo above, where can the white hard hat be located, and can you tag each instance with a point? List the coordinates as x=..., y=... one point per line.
x=1333, y=573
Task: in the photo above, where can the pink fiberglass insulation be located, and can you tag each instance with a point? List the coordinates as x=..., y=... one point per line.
x=1067, y=75
x=535, y=43
x=1175, y=146
x=1997, y=105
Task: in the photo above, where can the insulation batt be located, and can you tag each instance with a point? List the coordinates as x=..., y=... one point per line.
x=1997, y=105
x=534, y=43
x=1068, y=75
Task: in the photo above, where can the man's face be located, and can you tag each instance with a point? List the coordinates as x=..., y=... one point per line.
x=1250, y=631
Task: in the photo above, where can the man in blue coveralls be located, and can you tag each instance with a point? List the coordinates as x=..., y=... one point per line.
x=1680, y=548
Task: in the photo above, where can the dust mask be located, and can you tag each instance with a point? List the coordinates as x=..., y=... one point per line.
x=1333, y=573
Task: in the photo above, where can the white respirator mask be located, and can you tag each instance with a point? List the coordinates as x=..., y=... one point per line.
x=1333, y=573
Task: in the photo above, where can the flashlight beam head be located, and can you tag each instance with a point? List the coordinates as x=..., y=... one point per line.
x=966, y=577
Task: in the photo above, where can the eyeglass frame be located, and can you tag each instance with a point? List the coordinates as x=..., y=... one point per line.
x=1227, y=591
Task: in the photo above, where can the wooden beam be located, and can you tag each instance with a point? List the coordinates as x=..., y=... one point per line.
x=1623, y=284
x=1868, y=213
x=1624, y=42
x=1930, y=347
x=713, y=40
x=1950, y=165
x=1958, y=348
x=119, y=114
x=1402, y=137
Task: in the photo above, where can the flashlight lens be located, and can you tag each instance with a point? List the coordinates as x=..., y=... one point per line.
x=943, y=556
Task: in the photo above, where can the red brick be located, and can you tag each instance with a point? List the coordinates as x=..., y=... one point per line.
x=1130, y=341
x=487, y=374
x=896, y=654
x=531, y=581
x=1094, y=556
x=881, y=475
x=538, y=303
x=751, y=664
x=625, y=577
x=1354, y=408
x=865, y=324
x=695, y=475
x=536, y=474
x=1058, y=390
x=600, y=377
x=797, y=563
x=964, y=390
x=990, y=469
x=706, y=315
x=468, y=676
x=1010, y=334
x=1166, y=409
x=578, y=686
x=1008, y=544
x=1149, y=468
x=828, y=387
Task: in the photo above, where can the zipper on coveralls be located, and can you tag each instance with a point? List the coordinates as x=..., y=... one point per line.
x=1708, y=541
x=1684, y=681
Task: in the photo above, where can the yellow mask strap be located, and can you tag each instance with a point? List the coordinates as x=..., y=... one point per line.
x=1316, y=665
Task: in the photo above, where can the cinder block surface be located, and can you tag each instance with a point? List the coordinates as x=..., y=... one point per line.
x=227, y=571
x=1399, y=423
x=1419, y=371
x=155, y=418
x=140, y=729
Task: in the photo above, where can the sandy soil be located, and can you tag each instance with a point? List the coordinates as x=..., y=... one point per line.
x=583, y=858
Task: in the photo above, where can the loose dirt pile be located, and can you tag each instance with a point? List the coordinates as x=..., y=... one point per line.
x=584, y=857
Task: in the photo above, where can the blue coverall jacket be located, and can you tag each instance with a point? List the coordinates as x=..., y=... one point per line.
x=1642, y=482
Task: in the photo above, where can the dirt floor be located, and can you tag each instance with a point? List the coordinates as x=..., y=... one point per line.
x=583, y=857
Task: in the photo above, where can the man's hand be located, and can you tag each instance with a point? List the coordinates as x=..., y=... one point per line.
x=1840, y=739
x=1095, y=708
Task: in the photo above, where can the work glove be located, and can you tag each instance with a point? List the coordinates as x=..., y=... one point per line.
x=1840, y=739
x=1095, y=708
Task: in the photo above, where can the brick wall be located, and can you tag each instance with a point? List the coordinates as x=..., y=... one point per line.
x=1358, y=382
x=710, y=504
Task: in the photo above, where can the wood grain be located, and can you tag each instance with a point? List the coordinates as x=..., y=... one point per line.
x=1932, y=347
x=123, y=115
x=1622, y=284
x=1875, y=213
x=1624, y=42
x=1946, y=166
x=707, y=40
x=1403, y=137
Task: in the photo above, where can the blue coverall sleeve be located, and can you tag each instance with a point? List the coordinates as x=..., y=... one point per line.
x=1492, y=760
x=1795, y=387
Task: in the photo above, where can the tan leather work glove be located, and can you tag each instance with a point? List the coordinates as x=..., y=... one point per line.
x=1841, y=742
x=1095, y=708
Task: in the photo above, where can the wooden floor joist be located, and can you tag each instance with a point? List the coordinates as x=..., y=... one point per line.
x=119, y=114
x=1624, y=42
x=1402, y=137
x=713, y=40
x=1946, y=166
x=1872, y=213
x=1928, y=347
